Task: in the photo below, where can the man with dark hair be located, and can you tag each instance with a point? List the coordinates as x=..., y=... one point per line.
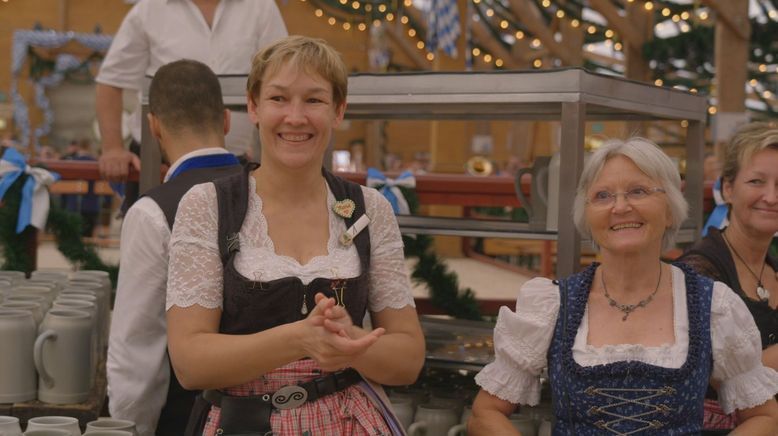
x=224, y=35
x=188, y=119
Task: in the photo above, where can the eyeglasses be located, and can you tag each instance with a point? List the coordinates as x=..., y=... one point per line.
x=634, y=195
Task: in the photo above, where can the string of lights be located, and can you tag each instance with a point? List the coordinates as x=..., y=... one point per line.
x=679, y=54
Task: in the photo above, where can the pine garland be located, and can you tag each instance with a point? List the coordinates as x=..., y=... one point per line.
x=14, y=245
x=66, y=227
x=430, y=270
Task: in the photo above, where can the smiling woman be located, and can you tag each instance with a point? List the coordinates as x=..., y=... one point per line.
x=737, y=255
x=627, y=342
x=266, y=299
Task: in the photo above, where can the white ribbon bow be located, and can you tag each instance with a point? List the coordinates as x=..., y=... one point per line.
x=34, y=207
x=390, y=188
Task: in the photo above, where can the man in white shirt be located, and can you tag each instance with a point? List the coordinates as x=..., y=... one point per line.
x=223, y=34
x=188, y=118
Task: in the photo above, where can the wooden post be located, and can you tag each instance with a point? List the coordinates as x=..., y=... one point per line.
x=637, y=68
x=733, y=32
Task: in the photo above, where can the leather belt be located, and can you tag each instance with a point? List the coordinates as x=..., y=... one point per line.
x=292, y=396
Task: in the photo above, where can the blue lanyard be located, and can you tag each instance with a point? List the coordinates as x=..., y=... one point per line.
x=207, y=161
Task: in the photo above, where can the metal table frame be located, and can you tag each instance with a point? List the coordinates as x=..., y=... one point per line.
x=572, y=96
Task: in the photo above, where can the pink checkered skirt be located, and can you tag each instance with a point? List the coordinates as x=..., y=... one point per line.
x=716, y=419
x=347, y=412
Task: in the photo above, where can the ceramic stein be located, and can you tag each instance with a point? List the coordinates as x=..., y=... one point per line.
x=62, y=356
x=53, y=286
x=403, y=409
x=433, y=420
x=32, y=307
x=103, y=294
x=109, y=433
x=47, y=432
x=91, y=308
x=40, y=300
x=13, y=276
x=67, y=423
x=93, y=274
x=417, y=396
x=450, y=400
x=525, y=425
x=9, y=426
x=90, y=296
x=461, y=428
x=111, y=424
x=60, y=275
x=17, y=371
x=46, y=291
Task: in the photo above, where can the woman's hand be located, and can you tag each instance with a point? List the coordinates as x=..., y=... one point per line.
x=336, y=318
x=330, y=339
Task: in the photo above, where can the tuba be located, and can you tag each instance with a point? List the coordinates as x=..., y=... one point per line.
x=479, y=166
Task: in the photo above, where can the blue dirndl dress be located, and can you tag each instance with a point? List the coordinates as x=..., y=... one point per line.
x=629, y=397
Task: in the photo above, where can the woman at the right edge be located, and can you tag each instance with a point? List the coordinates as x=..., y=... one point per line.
x=738, y=254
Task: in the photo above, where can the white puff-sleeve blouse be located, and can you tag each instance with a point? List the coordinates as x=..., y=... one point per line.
x=522, y=338
x=195, y=273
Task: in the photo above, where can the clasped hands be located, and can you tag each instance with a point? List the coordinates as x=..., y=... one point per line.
x=332, y=339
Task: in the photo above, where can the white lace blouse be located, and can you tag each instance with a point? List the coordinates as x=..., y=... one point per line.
x=522, y=339
x=195, y=271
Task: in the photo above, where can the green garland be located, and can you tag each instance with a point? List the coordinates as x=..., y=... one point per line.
x=66, y=227
x=430, y=270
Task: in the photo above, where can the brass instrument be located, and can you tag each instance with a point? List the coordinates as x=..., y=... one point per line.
x=479, y=166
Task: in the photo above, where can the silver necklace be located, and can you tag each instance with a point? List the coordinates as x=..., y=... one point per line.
x=629, y=308
x=761, y=291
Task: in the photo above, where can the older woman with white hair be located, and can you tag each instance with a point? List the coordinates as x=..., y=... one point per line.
x=630, y=343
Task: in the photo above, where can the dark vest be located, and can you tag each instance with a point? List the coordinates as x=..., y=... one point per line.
x=715, y=251
x=178, y=405
x=253, y=306
x=629, y=397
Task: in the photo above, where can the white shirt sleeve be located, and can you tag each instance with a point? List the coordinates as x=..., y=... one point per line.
x=521, y=341
x=271, y=27
x=137, y=366
x=737, y=354
x=129, y=56
x=388, y=281
x=196, y=272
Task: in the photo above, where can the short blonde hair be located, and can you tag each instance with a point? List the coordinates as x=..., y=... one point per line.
x=652, y=161
x=311, y=55
x=746, y=142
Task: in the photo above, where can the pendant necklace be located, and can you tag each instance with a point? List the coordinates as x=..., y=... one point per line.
x=629, y=308
x=761, y=291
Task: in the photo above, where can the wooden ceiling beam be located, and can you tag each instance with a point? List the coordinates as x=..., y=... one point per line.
x=485, y=38
x=619, y=23
x=396, y=34
x=532, y=18
x=730, y=13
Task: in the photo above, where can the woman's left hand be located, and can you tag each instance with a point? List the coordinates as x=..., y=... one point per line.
x=336, y=342
x=336, y=319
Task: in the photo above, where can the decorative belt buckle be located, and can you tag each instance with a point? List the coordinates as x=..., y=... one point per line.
x=289, y=397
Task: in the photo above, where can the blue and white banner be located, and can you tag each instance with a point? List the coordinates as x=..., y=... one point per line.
x=443, y=26
x=390, y=188
x=718, y=218
x=34, y=207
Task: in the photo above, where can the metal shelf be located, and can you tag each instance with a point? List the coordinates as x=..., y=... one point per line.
x=572, y=96
x=476, y=228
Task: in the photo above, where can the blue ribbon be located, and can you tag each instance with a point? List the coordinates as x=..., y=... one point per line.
x=718, y=217
x=9, y=176
x=389, y=188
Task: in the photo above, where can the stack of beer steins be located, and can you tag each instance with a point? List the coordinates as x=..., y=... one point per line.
x=66, y=426
x=54, y=331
